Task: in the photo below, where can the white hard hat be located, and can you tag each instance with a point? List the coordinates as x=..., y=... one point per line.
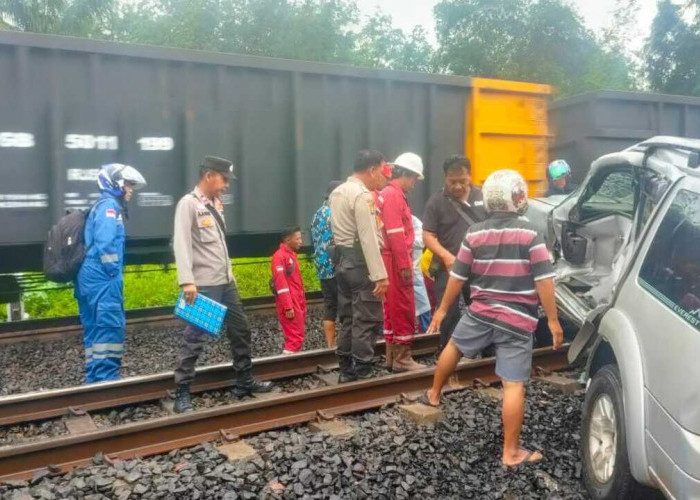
x=505, y=191
x=411, y=162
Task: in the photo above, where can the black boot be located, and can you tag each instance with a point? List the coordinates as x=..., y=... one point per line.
x=363, y=370
x=183, y=401
x=246, y=385
x=347, y=373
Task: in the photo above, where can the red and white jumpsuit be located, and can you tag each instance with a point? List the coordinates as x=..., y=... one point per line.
x=290, y=295
x=397, y=230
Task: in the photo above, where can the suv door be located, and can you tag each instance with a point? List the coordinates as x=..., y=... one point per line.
x=661, y=298
x=593, y=228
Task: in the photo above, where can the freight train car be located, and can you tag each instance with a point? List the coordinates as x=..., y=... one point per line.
x=69, y=105
x=589, y=125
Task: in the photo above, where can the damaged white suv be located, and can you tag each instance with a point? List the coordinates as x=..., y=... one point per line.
x=627, y=244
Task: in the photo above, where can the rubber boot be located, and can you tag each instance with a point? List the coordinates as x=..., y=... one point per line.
x=389, y=355
x=246, y=385
x=183, y=401
x=363, y=370
x=347, y=371
x=403, y=361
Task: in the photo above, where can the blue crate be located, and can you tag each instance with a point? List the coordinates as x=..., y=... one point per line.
x=205, y=313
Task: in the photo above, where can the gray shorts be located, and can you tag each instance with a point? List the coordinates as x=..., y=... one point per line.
x=513, y=353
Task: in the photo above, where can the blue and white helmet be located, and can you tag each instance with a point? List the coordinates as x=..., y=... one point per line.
x=558, y=169
x=112, y=178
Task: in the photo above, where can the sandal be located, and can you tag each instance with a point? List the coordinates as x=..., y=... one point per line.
x=424, y=399
x=525, y=461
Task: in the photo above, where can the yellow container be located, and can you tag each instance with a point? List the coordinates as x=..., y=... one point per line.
x=507, y=128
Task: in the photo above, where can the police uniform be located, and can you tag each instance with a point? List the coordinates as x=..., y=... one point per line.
x=357, y=239
x=202, y=259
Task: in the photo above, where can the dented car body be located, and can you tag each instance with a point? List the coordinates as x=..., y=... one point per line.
x=626, y=245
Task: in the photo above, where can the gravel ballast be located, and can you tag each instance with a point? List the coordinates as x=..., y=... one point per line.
x=34, y=366
x=388, y=457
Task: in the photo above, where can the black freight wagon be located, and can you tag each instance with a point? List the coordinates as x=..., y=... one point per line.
x=592, y=124
x=68, y=106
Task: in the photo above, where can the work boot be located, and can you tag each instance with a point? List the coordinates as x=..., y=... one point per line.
x=347, y=372
x=363, y=370
x=389, y=355
x=183, y=401
x=403, y=362
x=246, y=385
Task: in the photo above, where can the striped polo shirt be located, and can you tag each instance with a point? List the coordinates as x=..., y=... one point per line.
x=503, y=257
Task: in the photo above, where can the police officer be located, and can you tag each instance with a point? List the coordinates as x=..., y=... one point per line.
x=203, y=266
x=99, y=286
x=362, y=278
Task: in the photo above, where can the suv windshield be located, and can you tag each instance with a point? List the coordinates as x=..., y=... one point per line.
x=614, y=193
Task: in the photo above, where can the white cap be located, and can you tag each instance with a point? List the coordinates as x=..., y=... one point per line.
x=411, y=162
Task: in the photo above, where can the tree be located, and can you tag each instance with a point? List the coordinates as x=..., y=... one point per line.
x=671, y=55
x=312, y=30
x=65, y=17
x=378, y=44
x=531, y=40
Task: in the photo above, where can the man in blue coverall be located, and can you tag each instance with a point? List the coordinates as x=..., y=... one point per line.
x=99, y=287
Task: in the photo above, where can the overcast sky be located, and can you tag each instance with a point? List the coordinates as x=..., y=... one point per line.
x=596, y=13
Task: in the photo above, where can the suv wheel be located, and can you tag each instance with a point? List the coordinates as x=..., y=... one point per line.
x=606, y=470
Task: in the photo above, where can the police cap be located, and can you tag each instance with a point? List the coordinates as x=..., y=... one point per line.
x=221, y=165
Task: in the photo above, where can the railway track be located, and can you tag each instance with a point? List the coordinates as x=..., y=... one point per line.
x=40, y=405
x=228, y=422
x=57, y=328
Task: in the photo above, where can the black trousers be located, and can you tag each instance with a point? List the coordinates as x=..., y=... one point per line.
x=453, y=313
x=237, y=330
x=360, y=312
x=329, y=290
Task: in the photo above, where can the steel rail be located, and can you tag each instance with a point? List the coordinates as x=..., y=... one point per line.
x=40, y=405
x=168, y=433
x=55, y=328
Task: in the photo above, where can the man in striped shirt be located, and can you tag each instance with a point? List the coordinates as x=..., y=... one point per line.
x=510, y=274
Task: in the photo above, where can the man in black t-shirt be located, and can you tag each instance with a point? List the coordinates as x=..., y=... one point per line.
x=448, y=215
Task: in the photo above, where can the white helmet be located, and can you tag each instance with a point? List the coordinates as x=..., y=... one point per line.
x=505, y=191
x=112, y=177
x=411, y=162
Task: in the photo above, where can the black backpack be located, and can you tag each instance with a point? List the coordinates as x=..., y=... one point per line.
x=65, y=250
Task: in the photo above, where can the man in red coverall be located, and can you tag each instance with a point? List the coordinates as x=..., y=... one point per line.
x=289, y=290
x=397, y=230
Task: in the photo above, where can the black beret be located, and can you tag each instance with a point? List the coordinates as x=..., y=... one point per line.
x=221, y=165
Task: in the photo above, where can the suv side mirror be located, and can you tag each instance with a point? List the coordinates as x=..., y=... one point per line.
x=575, y=214
x=694, y=160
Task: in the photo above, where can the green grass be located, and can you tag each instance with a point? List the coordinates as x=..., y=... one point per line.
x=154, y=285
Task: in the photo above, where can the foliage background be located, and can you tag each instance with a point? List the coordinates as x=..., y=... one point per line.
x=531, y=40
x=153, y=285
